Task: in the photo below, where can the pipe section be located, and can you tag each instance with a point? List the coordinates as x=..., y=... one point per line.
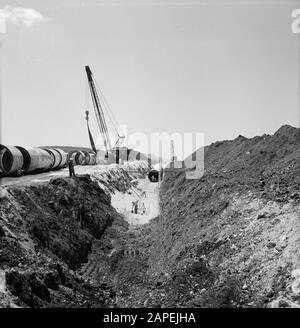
x=11, y=160
x=15, y=160
x=35, y=159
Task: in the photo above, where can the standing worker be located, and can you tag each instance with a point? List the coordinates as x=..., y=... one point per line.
x=143, y=208
x=136, y=207
x=71, y=168
x=133, y=206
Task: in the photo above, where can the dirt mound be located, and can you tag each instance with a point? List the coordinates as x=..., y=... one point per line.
x=231, y=238
x=47, y=233
x=56, y=238
x=46, y=230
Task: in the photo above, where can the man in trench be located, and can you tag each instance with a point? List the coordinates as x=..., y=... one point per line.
x=134, y=208
x=142, y=208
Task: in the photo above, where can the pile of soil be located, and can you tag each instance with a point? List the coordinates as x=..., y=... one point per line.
x=50, y=230
x=232, y=237
x=47, y=232
x=229, y=239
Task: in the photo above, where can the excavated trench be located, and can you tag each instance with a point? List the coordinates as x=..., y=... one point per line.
x=74, y=242
x=61, y=241
x=230, y=239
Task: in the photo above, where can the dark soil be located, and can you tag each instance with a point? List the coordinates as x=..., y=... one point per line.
x=228, y=239
x=47, y=232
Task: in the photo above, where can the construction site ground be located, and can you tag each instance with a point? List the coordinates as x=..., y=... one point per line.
x=47, y=176
x=228, y=239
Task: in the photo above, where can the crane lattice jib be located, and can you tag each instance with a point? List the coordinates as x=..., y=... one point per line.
x=98, y=111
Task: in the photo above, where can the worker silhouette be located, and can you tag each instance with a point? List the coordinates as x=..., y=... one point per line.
x=142, y=208
x=134, y=208
x=71, y=168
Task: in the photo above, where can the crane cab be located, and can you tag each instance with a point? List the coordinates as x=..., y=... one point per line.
x=153, y=175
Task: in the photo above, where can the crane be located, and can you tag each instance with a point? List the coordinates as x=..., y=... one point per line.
x=99, y=113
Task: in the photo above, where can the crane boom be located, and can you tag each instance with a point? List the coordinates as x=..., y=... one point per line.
x=98, y=111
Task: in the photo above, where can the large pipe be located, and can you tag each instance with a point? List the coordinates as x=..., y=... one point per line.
x=64, y=157
x=79, y=158
x=82, y=157
x=35, y=159
x=56, y=157
x=11, y=160
x=86, y=157
x=76, y=156
x=29, y=159
x=92, y=159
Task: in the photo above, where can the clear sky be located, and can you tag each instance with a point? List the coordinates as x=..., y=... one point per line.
x=221, y=68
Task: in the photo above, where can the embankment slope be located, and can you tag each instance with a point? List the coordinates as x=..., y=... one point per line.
x=232, y=237
x=48, y=230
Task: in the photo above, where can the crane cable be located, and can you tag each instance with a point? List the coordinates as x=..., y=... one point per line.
x=110, y=113
x=99, y=108
x=100, y=117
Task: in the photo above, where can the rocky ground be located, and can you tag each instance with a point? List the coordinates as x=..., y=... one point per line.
x=229, y=239
x=48, y=230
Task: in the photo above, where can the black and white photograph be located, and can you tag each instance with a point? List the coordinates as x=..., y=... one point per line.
x=149, y=157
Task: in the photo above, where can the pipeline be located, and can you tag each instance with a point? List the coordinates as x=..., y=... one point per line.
x=56, y=158
x=17, y=160
x=79, y=158
x=63, y=157
x=35, y=159
x=82, y=157
x=92, y=159
x=59, y=157
x=86, y=157
x=11, y=160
